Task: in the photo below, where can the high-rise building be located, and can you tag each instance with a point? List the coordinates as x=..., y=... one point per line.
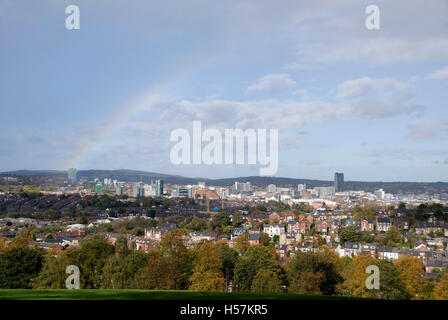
x=72, y=175
x=99, y=188
x=159, y=188
x=338, y=182
x=138, y=190
x=380, y=194
x=325, y=192
x=119, y=190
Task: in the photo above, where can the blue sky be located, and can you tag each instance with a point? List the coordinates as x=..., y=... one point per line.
x=369, y=103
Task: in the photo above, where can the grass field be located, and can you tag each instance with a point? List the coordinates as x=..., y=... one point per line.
x=84, y=294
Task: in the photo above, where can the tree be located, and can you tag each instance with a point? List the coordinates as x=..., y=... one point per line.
x=119, y=272
x=256, y=257
x=19, y=266
x=196, y=224
x=315, y=272
x=241, y=244
x=228, y=257
x=411, y=270
x=441, y=289
x=355, y=277
x=52, y=274
x=207, y=269
x=3, y=244
x=172, y=247
x=392, y=236
x=220, y=221
x=391, y=285
x=367, y=211
x=265, y=239
x=266, y=281
x=237, y=219
x=349, y=234
x=91, y=257
x=157, y=273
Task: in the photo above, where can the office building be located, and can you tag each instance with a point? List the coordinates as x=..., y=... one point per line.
x=99, y=188
x=338, y=182
x=159, y=188
x=72, y=172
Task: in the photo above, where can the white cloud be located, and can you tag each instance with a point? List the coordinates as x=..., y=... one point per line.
x=440, y=74
x=272, y=83
x=377, y=50
x=295, y=66
x=362, y=86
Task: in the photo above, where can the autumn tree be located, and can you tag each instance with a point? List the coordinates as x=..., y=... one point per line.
x=207, y=269
x=173, y=248
x=157, y=273
x=441, y=289
x=391, y=284
x=241, y=244
x=265, y=239
x=315, y=272
x=367, y=211
x=411, y=270
x=355, y=277
x=4, y=244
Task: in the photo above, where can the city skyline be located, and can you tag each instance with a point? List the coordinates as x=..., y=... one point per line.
x=369, y=103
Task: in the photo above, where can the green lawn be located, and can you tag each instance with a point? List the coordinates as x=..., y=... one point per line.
x=85, y=294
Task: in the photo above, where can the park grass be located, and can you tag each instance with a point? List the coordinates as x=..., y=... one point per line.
x=125, y=294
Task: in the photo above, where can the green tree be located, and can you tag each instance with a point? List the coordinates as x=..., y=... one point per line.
x=237, y=220
x=220, y=221
x=228, y=257
x=91, y=257
x=266, y=281
x=315, y=272
x=52, y=274
x=256, y=257
x=349, y=234
x=392, y=237
x=119, y=270
x=19, y=266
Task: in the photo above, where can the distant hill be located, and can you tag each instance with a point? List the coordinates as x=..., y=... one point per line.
x=135, y=175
